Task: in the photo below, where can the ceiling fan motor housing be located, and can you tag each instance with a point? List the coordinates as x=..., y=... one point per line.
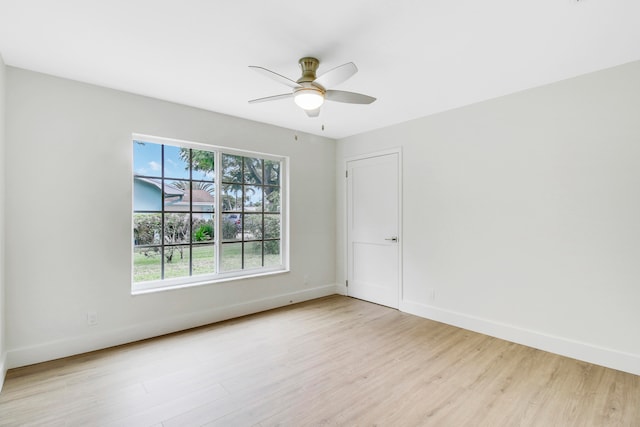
x=309, y=66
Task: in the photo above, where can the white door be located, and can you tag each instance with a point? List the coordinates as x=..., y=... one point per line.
x=373, y=215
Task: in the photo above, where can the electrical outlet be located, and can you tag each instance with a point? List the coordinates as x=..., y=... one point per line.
x=92, y=318
x=306, y=279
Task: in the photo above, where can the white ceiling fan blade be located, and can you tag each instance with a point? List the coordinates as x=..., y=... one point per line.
x=275, y=76
x=337, y=75
x=271, y=98
x=348, y=97
x=313, y=113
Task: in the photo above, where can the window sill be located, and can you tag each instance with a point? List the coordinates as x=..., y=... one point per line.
x=150, y=288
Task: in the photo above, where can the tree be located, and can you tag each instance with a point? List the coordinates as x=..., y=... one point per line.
x=234, y=166
x=200, y=160
x=196, y=185
x=229, y=230
x=147, y=229
x=176, y=230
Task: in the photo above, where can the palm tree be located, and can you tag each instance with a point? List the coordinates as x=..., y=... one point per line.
x=195, y=185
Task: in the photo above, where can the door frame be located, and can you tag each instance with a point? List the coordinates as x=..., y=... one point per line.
x=345, y=214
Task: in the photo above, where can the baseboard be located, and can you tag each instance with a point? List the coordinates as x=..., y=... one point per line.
x=609, y=358
x=83, y=344
x=3, y=369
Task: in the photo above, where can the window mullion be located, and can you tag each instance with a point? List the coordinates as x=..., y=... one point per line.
x=243, y=188
x=190, y=212
x=262, y=188
x=217, y=169
x=162, y=225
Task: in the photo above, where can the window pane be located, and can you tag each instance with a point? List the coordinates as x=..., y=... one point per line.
x=252, y=170
x=202, y=229
x=176, y=228
x=176, y=162
x=253, y=255
x=231, y=257
x=272, y=253
x=202, y=199
x=203, y=259
x=252, y=198
x=271, y=226
x=176, y=261
x=147, y=264
x=202, y=163
x=231, y=168
x=252, y=226
x=147, y=229
x=231, y=197
x=272, y=199
x=147, y=159
x=176, y=196
x=231, y=227
x=146, y=194
x=271, y=172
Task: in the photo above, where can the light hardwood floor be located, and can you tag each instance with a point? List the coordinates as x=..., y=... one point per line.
x=332, y=361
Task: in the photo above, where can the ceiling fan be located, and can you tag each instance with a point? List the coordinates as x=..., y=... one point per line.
x=310, y=92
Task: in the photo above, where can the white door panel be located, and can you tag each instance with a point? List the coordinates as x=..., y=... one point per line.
x=373, y=229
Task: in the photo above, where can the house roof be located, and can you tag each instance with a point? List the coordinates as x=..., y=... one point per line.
x=199, y=196
x=169, y=190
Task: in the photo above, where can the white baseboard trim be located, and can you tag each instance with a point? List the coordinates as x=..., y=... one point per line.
x=86, y=343
x=610, y=358
x=3, y=369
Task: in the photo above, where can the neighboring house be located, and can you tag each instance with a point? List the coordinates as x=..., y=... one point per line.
x=147, y=196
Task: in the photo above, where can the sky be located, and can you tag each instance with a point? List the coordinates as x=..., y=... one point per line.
x=147, y=161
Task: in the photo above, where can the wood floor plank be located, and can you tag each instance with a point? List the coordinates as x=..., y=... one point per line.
x=331, y=361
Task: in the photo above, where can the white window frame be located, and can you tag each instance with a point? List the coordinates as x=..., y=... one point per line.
x=205, y=279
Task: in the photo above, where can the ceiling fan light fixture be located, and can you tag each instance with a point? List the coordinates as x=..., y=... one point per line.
x=309, y=92
x=308, y=98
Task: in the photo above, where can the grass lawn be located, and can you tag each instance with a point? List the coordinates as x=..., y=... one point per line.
x=148, y=266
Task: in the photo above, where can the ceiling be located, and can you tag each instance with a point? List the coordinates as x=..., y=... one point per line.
x=418, y=57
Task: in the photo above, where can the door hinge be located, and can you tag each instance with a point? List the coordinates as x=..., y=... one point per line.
x=347, y=283
x=346, y=174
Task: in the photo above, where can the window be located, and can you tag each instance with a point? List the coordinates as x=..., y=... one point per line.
x=203, y=213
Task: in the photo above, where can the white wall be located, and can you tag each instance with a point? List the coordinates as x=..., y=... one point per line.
x=3, y=304
x=523, y=214
x=68, y=203
x=520, y=212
